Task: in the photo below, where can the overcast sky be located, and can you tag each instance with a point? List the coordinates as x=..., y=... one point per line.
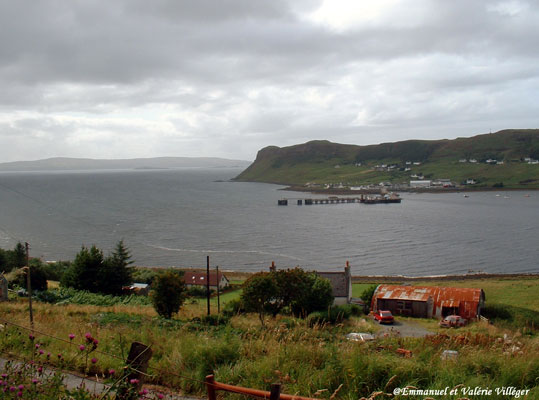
x=139, y=78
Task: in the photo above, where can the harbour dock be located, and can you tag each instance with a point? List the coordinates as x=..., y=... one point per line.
x=386, y=199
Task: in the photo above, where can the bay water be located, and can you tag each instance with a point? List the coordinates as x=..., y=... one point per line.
x=178, y=217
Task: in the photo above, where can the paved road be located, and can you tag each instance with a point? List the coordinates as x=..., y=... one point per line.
x=72, y=381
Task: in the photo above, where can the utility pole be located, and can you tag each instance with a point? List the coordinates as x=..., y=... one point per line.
x=218, y=294
x=208, y=282
x=29, y=285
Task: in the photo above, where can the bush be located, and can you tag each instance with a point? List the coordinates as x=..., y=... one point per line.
x=198, y=291
x=168, y=294
x=73, y=296
x=233, y=307
x=334, y=315
x=214, y=319
x=367, y=294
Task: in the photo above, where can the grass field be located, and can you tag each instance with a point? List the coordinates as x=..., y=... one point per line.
x=306, y=360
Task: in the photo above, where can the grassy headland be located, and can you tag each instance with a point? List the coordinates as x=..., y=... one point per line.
x=323, y=162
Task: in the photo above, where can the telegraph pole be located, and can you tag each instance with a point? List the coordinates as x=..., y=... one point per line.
x=29, y=285
x=208, y=282
x=218, y=294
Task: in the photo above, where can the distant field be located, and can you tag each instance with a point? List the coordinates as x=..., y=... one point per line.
x=511, y=291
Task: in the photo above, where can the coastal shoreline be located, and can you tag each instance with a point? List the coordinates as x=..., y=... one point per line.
x=238, y=275
x=348, y=192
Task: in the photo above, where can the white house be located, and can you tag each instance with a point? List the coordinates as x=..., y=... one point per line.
x=420, y=184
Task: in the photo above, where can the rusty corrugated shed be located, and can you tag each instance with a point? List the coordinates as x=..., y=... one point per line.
x=468, y=301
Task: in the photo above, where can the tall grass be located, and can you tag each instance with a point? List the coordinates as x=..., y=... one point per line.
x=305, y=360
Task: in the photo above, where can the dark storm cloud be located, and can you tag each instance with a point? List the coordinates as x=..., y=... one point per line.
x=186, y=73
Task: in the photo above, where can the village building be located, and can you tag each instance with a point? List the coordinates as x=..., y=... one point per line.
x=420, y=184
x=142, y=289
x=429, y=301
x=191, y=279
x=341, y=284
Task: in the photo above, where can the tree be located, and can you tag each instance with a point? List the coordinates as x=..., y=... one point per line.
x=38, y=277
x=115, y=272
x=84, y=273
x=13, y=259
x=315, y=294
x=260, y=294
x=93, y=272
x=168, y=293
x=270, y=292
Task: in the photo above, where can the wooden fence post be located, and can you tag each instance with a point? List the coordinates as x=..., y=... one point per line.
x=275, y=392
x=137, y=365
x=210, y=387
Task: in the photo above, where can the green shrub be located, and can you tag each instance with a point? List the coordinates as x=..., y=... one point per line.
x=73, y=296
x=198, y=291
x=233, y=307
x=214, y=319
x=168, y=294
x=334, y=315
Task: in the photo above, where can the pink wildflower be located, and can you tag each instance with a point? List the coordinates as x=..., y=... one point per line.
x=111, y=371
x=134, y=381
x=93, y=360
x=41, y=352
x=71, y=336
x=160, y=396
x=32, y=337
x=81, y=347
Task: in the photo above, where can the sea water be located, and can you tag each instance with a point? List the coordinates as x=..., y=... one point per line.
x=178, y=217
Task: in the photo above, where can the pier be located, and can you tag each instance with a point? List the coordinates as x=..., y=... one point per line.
x=394, y=198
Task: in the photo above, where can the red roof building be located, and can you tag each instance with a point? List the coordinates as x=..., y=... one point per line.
x=200, y=279
x=429, y=301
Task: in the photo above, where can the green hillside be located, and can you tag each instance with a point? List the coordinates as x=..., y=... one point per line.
x=324, y=162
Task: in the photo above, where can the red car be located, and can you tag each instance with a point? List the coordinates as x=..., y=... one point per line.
x=383, y=317
x=452, y=321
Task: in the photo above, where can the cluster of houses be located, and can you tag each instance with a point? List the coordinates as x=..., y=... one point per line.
x=493, y=161
x=410, y=301
x=405, y=300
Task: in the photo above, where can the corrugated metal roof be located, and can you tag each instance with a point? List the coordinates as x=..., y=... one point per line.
x=422, y=293
x=466, y=300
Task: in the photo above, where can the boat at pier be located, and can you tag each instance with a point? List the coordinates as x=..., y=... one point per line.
x=385, y=199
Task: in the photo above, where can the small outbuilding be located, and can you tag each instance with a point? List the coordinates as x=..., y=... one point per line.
x=429, y=301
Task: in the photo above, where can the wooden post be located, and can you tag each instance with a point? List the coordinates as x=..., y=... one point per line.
x=208, y=282
x=218, y=291
x=210, y=387
x=29, y=285
x=137, y=365
x=275, y=392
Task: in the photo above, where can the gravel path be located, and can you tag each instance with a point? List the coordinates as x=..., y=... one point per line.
x=404, y=329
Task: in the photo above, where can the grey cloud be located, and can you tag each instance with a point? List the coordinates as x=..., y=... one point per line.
x=195, y=75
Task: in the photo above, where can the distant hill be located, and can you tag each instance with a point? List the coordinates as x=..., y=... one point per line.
x=63, y=163
x=322, y=161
